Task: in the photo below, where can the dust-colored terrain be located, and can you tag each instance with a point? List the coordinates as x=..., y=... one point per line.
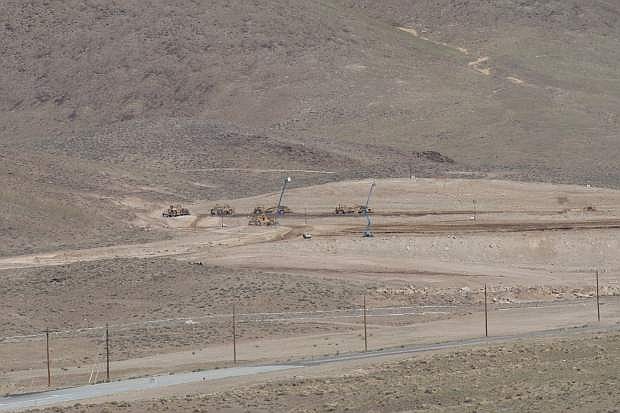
x=102, y=103
x=169, y=304
x=111, y=111
x=551, y=375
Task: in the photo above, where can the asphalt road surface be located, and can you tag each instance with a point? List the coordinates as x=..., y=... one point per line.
x=75, y=394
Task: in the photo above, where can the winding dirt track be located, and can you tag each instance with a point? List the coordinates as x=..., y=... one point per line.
x=180, y=246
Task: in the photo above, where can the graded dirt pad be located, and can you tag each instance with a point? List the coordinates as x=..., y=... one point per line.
x=552, y=375
x=444, y=234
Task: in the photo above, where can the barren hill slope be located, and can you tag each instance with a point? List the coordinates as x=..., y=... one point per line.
x=101, y=101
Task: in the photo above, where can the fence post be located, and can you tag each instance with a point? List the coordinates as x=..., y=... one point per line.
x=365, y=327
x=107, y=353
x=234, y=334
x=47, y=351
x=598, y=303
x=486, y=317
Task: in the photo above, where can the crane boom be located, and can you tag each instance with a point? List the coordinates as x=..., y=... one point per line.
x=372, y=188
x=277, y=211
x=368, y=232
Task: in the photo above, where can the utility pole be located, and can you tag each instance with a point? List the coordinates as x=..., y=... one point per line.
x=234, y=333
x=107, y=353
x=598, y=303
x=47, y=350
x=486, y=319
x=365, y=328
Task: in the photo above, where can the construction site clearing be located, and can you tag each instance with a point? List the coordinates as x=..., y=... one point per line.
x=436, y=244
x=444, y=230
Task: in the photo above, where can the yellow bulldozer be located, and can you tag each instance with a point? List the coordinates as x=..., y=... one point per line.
x=174, y=211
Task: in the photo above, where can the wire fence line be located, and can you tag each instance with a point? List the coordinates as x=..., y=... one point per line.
x=348, y=329
x=242, y=317
x=308, y=315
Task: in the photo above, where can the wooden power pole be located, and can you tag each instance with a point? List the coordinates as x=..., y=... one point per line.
x=47, y=351
x=486, y=317
x=598, y=302
x=234, y=334
x=365, y=328
x=107, y=353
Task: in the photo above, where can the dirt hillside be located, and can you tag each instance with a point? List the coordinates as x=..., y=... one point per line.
x=165, y=101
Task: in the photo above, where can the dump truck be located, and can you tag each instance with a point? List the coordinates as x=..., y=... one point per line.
x=174, y=211
x=262, y=220
x=222, y=210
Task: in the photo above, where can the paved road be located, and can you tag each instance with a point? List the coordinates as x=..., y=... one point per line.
x=75, y=394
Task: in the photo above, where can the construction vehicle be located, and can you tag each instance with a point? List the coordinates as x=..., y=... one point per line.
x=222, y=210
x=368, y=231
x=262, y=216
x=283, y=209
x=351, y=209
x=262, y=220
x=174, y=211
x=346, y=209
x=258, y=210
x=279, y=206
x=363, y=209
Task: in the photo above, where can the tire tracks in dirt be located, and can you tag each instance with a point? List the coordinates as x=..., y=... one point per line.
x=480, y=65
